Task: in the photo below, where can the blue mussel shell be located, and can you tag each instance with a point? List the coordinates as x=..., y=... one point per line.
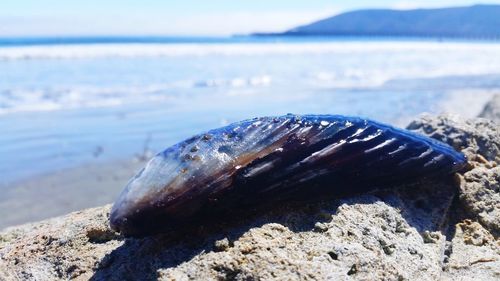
x=268, y=159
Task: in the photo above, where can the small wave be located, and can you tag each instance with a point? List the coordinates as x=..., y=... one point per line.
x=161, y=50
x=24, y=100
x=351, y=78
x=236, y=82
x=49, y=100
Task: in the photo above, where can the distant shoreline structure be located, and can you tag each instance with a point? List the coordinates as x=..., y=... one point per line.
x=361, y=36
x=380, y=36
x=471, y=23
x=259, y=38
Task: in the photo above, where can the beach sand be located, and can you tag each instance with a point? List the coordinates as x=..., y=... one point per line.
x=64, y=191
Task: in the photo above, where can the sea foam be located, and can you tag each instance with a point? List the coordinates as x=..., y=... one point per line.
x=193, y=49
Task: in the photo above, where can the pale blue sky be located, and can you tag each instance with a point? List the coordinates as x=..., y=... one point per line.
x=182, y=17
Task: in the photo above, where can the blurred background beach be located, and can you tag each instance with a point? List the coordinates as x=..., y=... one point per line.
x=89, y=91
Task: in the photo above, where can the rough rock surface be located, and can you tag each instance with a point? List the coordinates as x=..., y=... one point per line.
x=444, y=230
x=480, y=193
x=479, y=139
x=492, y=109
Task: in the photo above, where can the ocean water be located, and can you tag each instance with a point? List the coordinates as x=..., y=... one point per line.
x=67, y=102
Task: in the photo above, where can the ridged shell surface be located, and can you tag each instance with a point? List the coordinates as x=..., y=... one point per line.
x=268, y=159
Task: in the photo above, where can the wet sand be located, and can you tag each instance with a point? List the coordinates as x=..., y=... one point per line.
x=64, y=191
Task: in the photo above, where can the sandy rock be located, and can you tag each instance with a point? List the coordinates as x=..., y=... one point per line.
x=473, y=254
x=478, y=138
x=57, y=249
x=492, y=109
x=364, y=237
x=441, y=230
x=480, y=193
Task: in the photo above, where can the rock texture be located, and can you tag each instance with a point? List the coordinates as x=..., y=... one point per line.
x=479, y=139
x=442, y=230
x=492, y=109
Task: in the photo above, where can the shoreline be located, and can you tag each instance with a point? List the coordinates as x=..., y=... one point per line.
x=72, y=189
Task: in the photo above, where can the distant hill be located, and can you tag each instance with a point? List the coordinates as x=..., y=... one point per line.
x=478, y=21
